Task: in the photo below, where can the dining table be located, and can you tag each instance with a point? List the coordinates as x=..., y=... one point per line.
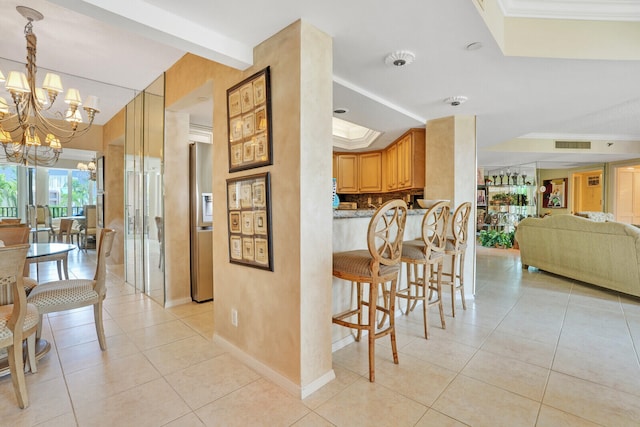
x=43, y=252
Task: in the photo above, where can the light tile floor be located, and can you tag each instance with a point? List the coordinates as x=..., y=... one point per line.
x=532, y=349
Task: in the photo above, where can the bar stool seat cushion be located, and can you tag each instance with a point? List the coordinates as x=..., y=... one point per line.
x=358, y=263
x=414, y=249
x=450, y=246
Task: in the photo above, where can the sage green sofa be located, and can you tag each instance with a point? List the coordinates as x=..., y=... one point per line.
x=606, y=254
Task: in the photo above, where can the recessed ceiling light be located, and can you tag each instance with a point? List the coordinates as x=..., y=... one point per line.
x=454, y=101
x=474, y=46
x=341, y=110
x=400, y=58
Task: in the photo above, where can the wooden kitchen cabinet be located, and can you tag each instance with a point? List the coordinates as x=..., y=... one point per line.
x=346, y=172
x=391, y=163
x=370, y=172
x=411, y=159
x=401, y=166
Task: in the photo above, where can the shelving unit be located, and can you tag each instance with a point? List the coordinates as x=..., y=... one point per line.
x=505, y=205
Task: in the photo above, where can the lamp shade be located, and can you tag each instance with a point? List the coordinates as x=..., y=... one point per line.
x=92, y=103
x=17, y=82
x=73, y=116
x=31, y=138
x=52, y=141
x=52, y=83
x=2, y=79
x=73, y=97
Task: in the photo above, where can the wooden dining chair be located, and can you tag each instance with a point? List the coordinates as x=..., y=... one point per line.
x=63, y=234
x=64, y=295
x=17, y=234
x=18, y=319
x=375, y=267
x=90, y=225
x=424, y=258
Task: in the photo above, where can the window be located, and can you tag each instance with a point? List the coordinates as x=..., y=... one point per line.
x=69, y=191
x=8, y=191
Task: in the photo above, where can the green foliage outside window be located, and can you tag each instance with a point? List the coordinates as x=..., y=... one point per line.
x=8, y=186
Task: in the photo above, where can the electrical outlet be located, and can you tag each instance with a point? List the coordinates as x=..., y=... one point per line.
x=234, y=317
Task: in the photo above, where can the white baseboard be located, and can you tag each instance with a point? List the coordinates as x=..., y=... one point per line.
x=276, y=377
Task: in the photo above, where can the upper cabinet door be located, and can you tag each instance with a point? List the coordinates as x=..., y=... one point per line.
x=370, y=172
x=347, y=176
x=392, y=167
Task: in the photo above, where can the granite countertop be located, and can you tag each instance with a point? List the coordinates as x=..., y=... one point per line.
x=367, y=213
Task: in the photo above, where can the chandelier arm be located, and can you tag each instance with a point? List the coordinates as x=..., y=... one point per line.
x=21, y=102
x=64, y=135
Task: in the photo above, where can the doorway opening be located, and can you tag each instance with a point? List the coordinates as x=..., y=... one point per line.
x=588, y=191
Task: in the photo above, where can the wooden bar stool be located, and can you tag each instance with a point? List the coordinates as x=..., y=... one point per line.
x=376, y=266
x=418, y=254
x=455, y=249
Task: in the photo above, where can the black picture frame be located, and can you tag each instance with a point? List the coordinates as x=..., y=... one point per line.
x=482, y=197
x=100, y=174
x=555, y=195
x=250, y=140
x=249, y=221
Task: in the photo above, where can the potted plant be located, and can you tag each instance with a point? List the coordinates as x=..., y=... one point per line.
x=498, y=239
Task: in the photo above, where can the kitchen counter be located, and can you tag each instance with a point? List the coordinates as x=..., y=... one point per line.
x=368, y=213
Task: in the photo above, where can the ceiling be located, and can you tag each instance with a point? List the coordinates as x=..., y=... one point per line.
x=127, y=44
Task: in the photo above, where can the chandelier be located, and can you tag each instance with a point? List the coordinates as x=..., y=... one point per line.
x=26, y=135
x=90, y=167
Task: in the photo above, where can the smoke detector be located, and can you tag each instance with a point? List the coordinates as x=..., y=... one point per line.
x=454, y=101
x=400, y=58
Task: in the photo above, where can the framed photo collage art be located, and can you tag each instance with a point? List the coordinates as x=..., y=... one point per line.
x=249, y=197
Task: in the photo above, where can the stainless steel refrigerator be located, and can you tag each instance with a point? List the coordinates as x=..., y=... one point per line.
x=201, y=221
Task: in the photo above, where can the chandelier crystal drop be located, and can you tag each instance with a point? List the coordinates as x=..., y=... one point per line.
x=27, y=136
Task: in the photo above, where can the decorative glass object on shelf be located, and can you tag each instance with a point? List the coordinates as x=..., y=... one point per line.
x=336, y=199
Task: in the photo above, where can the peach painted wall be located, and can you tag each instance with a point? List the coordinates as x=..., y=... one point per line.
x=284, y=316
x=113, y=151
x=451, y=174
x=186, y=75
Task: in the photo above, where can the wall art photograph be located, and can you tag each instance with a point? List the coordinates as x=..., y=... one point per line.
x=249, y=123
x=249, y=216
